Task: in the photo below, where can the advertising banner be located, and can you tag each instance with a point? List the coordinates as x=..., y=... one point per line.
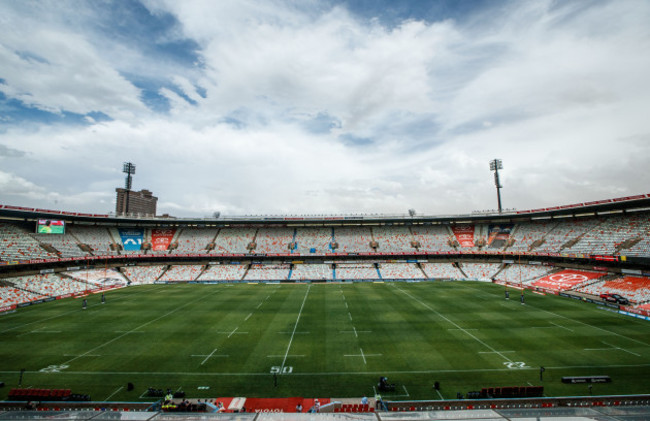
x=162, y=238
x=566, y=279
x=131, y=238
x=464, y=234
x=498, y=235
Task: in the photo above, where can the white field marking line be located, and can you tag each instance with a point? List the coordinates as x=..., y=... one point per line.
x=456, y=328
x=111, y=395
x=85, y=355
x=139, y=327
x=563, y=327
x=65, y=314
x=248, y=317
x=343, y=373
x=493, y=352
x=267, y=297
x=455, y=324
x=294, y=329
x=362, y=355
x=208, y=357
x=231, y=333
x=346, y=305
x=406, y=391
x=440, y=394
x=280, y=356
x=622, y=349
x=259, y=305
x=349, y=315
x=296, y=333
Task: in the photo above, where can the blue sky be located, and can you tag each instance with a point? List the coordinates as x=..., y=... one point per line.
x=322, y=107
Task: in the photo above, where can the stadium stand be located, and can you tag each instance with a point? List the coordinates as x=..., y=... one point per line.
x=100, y=278
x=223, y=273
x=270, y=272
x=49, y=285
x=181, y=273
x=480, y=271
x=353, y=239
x=142, y=274
x=401, y=271
x=11, y=296
x=303, y=272
x=516, y=273
x=17, y=244
x=528, y=236
x=313, y=240
x=274, y=240
x=233, y=240
x=432, y=238
x=356, y=271
x=442, y=271
x=96, y=238
x=194, y=240
x=393, y=239
x=634, y=288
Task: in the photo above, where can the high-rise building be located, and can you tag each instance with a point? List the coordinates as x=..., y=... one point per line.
x=139, y=203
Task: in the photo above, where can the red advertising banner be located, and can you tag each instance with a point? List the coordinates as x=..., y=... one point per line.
x=162, y=238
x=566, y=279
x=464, y=234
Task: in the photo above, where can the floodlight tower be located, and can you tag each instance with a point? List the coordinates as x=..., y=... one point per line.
x=129, y=169
x=496, y=165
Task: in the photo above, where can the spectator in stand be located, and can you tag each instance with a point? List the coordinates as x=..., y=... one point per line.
x=299, y=408
x=364, y=401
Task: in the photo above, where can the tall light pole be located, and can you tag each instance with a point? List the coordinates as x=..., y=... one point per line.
x=129, y=169
x=496, y=165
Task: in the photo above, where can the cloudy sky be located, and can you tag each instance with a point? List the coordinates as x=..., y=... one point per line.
x=323, y=107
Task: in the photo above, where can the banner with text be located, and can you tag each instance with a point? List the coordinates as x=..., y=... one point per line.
x=464, y=234
x=566, y=279
x=162, y=238
x=131, y=238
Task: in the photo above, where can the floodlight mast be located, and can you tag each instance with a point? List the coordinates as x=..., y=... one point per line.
x=129, y=169
x=496, y=165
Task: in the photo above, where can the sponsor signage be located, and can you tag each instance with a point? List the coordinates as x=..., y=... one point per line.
x=162, y=238
x=131, y=238
x=565, y=279
x=464, y=234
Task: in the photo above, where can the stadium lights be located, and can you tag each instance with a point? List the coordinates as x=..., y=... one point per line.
x=129, y=169
x=496, y=165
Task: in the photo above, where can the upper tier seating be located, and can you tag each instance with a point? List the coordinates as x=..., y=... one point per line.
x=432, y=238
x=97, y=238
x=393, y=239
x=233, y=240
x=195, y=240
x=273, y=240
x=317, y=240
x=353, y=239
x=17, y=244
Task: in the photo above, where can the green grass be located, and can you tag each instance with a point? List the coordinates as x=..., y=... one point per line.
x=463, y=334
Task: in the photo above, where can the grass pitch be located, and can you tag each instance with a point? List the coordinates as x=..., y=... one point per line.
x=320, y=340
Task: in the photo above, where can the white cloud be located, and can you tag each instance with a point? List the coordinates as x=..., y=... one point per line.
x=417, y=110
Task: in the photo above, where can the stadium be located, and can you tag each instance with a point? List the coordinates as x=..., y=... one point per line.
x=540, y=312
